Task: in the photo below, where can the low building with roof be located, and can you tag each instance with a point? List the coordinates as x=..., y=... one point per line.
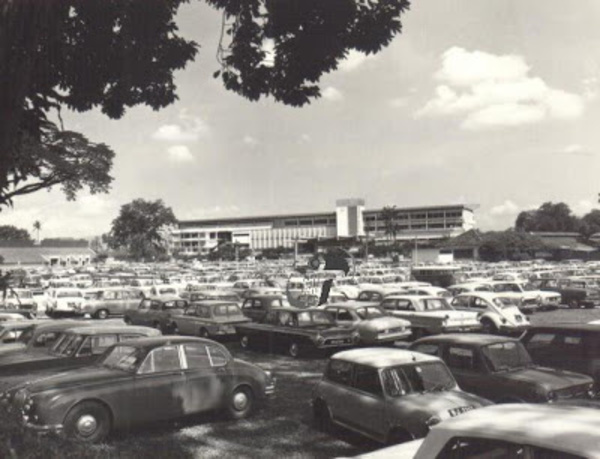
x=20, y=255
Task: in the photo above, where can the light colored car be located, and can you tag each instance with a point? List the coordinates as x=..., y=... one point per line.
x=65, y=300
x=467, y=287
x=374, y=325
x=389, y=395
x=429, y=291
x=430, y=315
x=508, y=431
x=530, y=297
x=497, y=314
x=19, y=298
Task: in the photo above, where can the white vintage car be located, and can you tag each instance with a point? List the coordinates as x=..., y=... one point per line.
x=508, y=431
x=497, y=314
x=530, y=298
x=430, y=315
x=65, y=300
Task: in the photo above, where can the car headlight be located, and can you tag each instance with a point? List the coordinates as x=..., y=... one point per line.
x=433, y=420
x=320, y=339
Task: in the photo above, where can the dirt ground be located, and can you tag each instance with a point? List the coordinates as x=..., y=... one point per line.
x=281, y=428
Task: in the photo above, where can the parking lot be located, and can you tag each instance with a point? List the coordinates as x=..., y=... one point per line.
x=282, y=428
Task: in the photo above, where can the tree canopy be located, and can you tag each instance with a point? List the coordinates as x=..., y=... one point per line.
x=116, y=54
x=548, y=217
x=140, y=228
x=509, y=245
x=389, y=216
x=12, y=233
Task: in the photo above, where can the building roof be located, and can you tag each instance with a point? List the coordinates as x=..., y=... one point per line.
x=383, y=357
x=41, y=255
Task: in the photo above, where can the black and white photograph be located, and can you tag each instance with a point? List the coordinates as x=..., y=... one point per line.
x=299, y=229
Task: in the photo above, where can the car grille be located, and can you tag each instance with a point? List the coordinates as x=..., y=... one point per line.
x=572, y=392
x=337, y=341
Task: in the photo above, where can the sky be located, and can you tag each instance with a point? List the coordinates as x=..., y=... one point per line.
x=491, y=104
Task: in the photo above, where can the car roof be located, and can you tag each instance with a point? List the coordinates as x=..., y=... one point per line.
x=101, y=329
x=466, y=338
x=383, y=357
x=567, y=326
x=353, y=304
x=561, y=427
x=414, y=297
x=487, y=295
x=164, y=298
x=155, y=341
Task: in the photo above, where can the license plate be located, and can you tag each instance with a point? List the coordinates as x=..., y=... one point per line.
x=337, y=341
x=460, y=410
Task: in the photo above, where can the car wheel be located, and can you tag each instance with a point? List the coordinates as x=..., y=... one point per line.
x=294, y=350
x=488, y=326
x=88, y=422
x=203, y=333
x=574, y=304
x=245, y=342
x=102, y=314
x=127, y=320
x=322, y=416
x=241, y=403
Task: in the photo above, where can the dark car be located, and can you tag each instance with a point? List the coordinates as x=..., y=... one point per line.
x=574, y=347
x=575, y=292
x=156, y=312
x=11, y=330
x=75, y=347
x=296, y=331
x=208, y=319
x=139, y=381
x=500, y=369
x=257, y=307
x=201, y=295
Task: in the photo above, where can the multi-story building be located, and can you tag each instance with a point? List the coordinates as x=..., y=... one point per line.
x=349, y=220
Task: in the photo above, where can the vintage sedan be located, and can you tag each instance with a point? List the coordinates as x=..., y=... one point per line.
x=139, y=381
x=430, y=315
x=155, y=312
x=575, y=291
x=574, y=347
x=257, y=307
x=508, y=431
x=67, y=301
x=497, y=314
x=296, y=331
x=389, y=395
x=75, y=347
x=500, y=369
x=374, y=325
x=112, y=301
x=208, y=319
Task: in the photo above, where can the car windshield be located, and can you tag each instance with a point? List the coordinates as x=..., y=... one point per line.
x=314, y=318
x=125, y=358
x=424, y=377
x=67, y=346
x=227, y=310
x=369, y=313
x=435, y=304
x=509, y=355
x=503, y=302
x=68, y=294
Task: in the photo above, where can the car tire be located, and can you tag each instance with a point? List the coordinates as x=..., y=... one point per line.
x=241, y=403
x=573, y=304
x=102, y=314
x=322, y=416
x=294, y=350
x=489, y=327
x=245, y=342
x=203, y=333
x=88, y=422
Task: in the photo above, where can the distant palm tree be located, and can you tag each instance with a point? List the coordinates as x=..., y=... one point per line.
x=37, y=226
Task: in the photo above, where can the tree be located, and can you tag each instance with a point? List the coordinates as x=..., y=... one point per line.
x=548, y=217
x=37, y=226
x=509, y=245
x=389, y=215
x=590, y=223
x=139, y=228
x=12, y=233
x=115, y=54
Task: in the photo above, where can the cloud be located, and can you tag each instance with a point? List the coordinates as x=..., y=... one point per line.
x=180, y=153
x=398, y=102
x=305, y=138
x=488, y=91
x=354, y=60
x=189, y=129
x=575, y=150
x=591, y=88
x=332, y=94
x=505, y=209
x=583, y=207
x=250, y=141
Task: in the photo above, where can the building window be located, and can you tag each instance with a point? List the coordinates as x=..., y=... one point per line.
x=290, y=223
x=321, y=221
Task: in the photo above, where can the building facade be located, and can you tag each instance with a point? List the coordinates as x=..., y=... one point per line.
x=349, y=219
